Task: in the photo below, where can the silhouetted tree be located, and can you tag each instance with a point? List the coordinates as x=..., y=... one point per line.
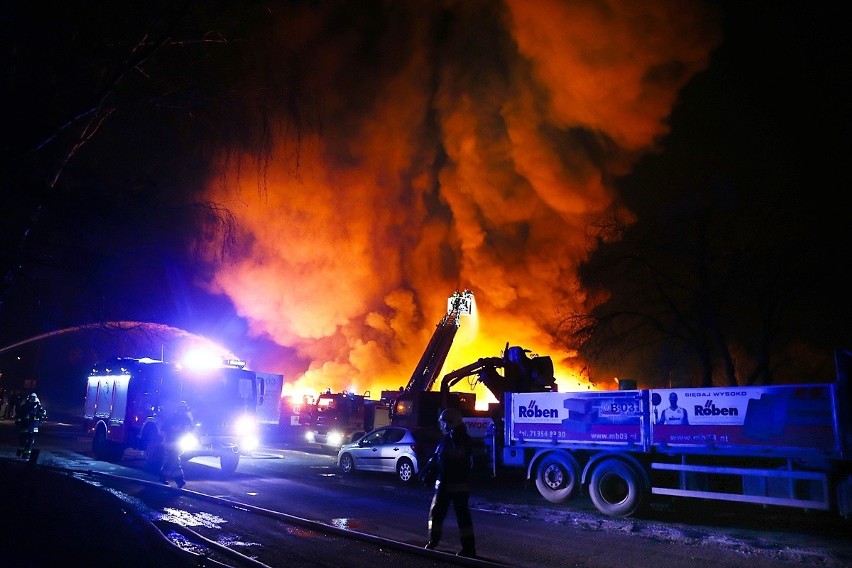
x=734, y=271
x=117, y=112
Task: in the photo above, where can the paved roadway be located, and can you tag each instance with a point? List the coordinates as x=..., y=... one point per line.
x=514, y=525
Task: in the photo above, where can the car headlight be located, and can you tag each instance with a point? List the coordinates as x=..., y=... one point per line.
x=334, y=439
x=187, y=443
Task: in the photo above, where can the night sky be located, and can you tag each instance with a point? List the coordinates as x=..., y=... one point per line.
x=307, y=182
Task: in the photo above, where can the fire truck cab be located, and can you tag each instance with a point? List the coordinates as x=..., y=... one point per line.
x=126, y=399
x=334, y=418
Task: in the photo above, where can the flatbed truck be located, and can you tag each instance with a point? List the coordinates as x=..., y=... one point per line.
x=780, y=445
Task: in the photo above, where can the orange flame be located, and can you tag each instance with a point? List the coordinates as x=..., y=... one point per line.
x=476, y=162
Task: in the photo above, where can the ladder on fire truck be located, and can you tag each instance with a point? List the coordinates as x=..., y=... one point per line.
x=426, y=372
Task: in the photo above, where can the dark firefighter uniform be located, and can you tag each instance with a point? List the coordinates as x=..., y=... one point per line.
x=176, y=424
x=451, y=464
x=28, y=419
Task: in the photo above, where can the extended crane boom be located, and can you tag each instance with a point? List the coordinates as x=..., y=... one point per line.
x=417, y=405
x=433, y=358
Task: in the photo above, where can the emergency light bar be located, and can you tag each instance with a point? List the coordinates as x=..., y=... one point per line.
x=207, y=359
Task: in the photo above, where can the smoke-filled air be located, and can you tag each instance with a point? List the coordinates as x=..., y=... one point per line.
x=447, y=146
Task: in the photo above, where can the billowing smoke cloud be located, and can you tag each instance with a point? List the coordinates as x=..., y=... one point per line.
x=458, y=144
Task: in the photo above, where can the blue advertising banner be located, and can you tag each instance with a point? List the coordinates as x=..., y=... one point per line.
x=577, y=416
x=796, y=416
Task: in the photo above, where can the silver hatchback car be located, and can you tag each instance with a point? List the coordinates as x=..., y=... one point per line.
x=390, y=449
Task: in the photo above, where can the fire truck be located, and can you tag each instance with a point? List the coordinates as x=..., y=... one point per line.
x=417, y=405
x=335, y=419
x=785, y=445
x=126, y=399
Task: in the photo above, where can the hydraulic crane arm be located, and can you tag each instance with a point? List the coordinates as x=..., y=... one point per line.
x=485, y=369
x=519, y=373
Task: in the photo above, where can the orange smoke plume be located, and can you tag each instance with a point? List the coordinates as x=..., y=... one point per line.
x=471, y=157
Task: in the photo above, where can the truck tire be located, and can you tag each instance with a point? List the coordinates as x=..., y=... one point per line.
x=617, y=489
x=155, y=456
x=104, y=449
x=228, y=462
x=99, y=444
x=405, y=470
x=115, y=452
x=556, y=477
x=151, y=443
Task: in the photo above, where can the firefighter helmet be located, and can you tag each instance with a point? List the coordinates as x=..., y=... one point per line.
x=451, y=417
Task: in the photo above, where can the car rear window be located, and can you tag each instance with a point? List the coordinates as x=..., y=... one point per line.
x=394, y=435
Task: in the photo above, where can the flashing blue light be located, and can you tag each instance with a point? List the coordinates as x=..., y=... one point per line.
x=201, y=359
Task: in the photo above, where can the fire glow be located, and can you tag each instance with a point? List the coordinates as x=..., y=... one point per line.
x=474, y=160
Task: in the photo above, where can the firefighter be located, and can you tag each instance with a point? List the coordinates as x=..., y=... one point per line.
x=176, y=424
x=451, y=464
x=28, y=419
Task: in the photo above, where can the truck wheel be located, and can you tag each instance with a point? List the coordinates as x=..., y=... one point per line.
x=347, y=464
x=114, y=452
x=155, y=456
x=556, y=478
x=405, y=470
x=99, y=444
x=228, y=462
x=617, y=489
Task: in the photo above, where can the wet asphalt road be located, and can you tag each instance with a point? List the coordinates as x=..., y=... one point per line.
x=514, y=525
